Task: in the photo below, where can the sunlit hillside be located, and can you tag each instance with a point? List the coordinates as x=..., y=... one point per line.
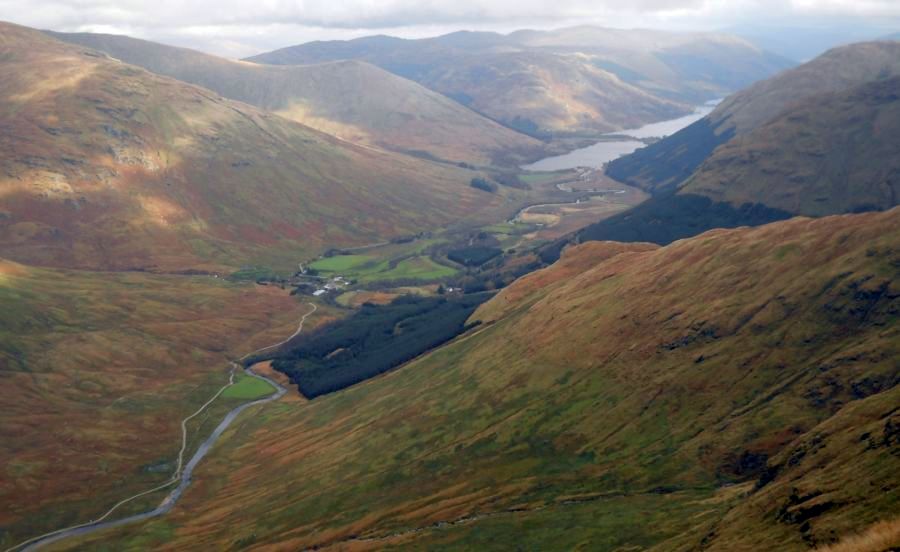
x=737, y=389
x=109, y=166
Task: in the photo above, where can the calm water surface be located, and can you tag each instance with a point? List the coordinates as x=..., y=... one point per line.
x=603, y=152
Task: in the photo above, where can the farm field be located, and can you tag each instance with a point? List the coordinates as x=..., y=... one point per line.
x=406, y=261
x=247, y=388
x=356, y=298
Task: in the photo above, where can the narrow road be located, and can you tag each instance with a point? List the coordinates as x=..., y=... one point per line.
x=365, y=247
x=283, y=341
x=181, y=476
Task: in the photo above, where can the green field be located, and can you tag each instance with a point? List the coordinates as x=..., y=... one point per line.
x=376, y=266
x=340, y=263
x=538, y=177
x=247, y=387
x=502, y=228
x=418, y=268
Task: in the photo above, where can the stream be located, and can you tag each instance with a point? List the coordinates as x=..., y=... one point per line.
x=169, y=502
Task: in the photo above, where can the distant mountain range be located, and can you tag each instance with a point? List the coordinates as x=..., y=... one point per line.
x=804, y=43
x=576, y=81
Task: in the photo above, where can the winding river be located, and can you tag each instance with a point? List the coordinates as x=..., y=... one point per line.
x=184, y=479
x=169, y=502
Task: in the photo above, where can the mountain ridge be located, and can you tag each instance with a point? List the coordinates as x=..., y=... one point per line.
x=814, y=140
x=669, y=162
x=353, y=100
x=107, y=165
x=604, y=83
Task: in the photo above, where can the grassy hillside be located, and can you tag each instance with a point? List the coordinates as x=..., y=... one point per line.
x=98, y=369
x=815, y=140
x=689, y=66
x=669, y=162
x=836, y=154
x=834, y=71
x=106, y=165
x=732, y=391
x=355, y=101
x=582, y=81
x=545, y=94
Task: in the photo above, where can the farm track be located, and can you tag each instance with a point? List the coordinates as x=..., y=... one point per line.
x=182, y=472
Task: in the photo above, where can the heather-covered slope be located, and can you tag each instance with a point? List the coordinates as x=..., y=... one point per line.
x=581, y=80
x=105, y=165
x=546, y=94
x=666, y=164
x=726, y=392
x=353, y=100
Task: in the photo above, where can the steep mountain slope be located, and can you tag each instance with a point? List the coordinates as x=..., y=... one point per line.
x=353, y=100
x=105, y=165
x=687, y=66
x=816, y=140
x=545, y=94
x=583, y=80
x=836, y=154
x=626, y=397
x=669, y=162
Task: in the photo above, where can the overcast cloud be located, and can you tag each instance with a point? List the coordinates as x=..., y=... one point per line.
x=238, y=28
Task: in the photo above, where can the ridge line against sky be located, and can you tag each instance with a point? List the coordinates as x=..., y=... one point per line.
x=239, y=28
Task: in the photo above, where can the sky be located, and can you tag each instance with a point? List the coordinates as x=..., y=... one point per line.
x=240, y=28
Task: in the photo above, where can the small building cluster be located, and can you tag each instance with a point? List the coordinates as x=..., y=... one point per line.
x=336, y=283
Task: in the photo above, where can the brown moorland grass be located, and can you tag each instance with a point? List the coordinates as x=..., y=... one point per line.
x=109, y=166
x=580, y=80
x=98, y=369
x=878, y=537
x=609, y=401
x=353, y=100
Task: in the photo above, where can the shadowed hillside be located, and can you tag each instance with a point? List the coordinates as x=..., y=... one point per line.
x=817, y=140
x=107, y=165
x=669, y=162
x=732, y=391
x=352, y=100
x=836, y=154
x=582, y=80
